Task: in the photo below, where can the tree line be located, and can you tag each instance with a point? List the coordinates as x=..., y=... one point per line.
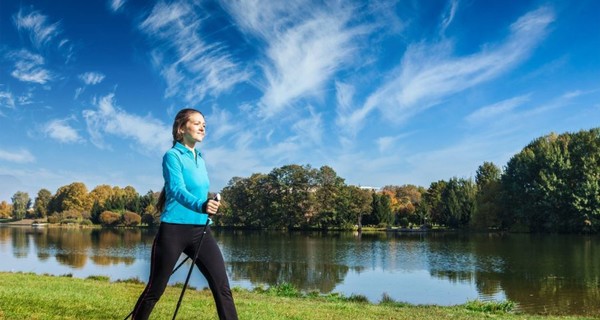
x=74, y=204
x=551, y=185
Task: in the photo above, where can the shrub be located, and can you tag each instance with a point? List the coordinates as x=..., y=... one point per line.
x=71, y=214
x=54, y=218
x=134, y=280
x=68, y=221
x=285, y=290
x=151, y=219
x=86, y=222
x=98, y=278
x=131, y=219
x=490, y=306
x=109, y=218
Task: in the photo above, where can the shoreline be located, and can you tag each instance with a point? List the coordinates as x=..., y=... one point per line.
x=26, y=295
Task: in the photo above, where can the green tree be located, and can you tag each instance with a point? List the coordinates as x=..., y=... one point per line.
x=328, y=189
x=41, y=203
x=433, y=200
x=292, y=195
x=247, y=202
x=552, y=184
x=20, y=203
x=381, y=214
x=459, y=202
x=352, y=204
x=489, y=206
x=131, y=198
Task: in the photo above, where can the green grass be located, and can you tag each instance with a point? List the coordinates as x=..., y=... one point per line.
x=29, y=296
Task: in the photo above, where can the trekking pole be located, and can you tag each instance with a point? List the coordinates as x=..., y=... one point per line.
x=187, y=279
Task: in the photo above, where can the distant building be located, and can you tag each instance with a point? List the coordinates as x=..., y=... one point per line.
x=370, y=188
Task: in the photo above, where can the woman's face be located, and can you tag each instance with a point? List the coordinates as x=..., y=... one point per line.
x=194, y=129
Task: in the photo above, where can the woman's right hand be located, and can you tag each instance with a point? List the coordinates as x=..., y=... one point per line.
x=212, y=206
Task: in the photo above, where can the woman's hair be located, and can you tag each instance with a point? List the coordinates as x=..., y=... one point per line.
x=182, y=117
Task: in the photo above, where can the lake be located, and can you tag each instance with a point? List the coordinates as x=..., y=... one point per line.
x=556, y=274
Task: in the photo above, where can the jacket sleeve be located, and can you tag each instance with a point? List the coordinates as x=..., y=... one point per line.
x=175, y=185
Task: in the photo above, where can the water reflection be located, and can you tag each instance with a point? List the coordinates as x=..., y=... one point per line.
x=543, y=274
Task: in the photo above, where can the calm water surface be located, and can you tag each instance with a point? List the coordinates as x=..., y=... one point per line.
x=555, y=274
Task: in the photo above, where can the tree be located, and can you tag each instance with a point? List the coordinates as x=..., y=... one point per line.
x=433, y=200
x=486, y=173
x=20, y=203
x=552, y=185
x=352, y=204
x=292, y=195
x=248, y=202
x=131, y=198
x=101, y=194
x=489, y=207
x=328, y=188
x=41, y=203
x=5, y=210
x=459, y=202
x=71, y=197
x=381, y=210
x=405, y=201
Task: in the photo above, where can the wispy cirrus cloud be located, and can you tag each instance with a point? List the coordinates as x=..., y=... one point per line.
x=17, y=156
x=40, y=30
x=150, y=134
x=304, y=47
x=452, y=6
x=428, y=73
x=91, y=78
x=7, y=100
x=496, y=109
x=116, y=5
x=60, y=130
x=309, y=130
x=29, y=67
x=192, y=67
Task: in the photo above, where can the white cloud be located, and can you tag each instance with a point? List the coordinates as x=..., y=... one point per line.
x=60, y=130
x=29, y=67
x=385, y=143
x=309, y=130
x=17, y=156
x=7, y=100
x=304, y=50
x=220, y=123
x=191, y=67
x=91, y=78
x=428, y=74
x=41, y=31
x=497, y=109
x=452, y=6
x=148, y=133
x=115, y=5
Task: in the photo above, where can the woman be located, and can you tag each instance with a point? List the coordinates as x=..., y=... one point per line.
x=184, y=207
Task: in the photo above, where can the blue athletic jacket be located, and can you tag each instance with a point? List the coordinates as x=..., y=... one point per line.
x=186, y=186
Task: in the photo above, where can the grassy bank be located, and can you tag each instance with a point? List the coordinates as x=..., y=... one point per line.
x=28, y=296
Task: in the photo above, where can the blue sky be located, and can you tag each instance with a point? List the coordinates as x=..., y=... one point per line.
x=384, y=92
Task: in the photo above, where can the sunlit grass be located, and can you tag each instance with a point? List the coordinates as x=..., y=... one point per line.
x=29, y=296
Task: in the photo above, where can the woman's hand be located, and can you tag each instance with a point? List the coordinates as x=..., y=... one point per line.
x=212, y=206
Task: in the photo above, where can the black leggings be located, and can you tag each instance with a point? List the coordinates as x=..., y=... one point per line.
x=170, y=241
